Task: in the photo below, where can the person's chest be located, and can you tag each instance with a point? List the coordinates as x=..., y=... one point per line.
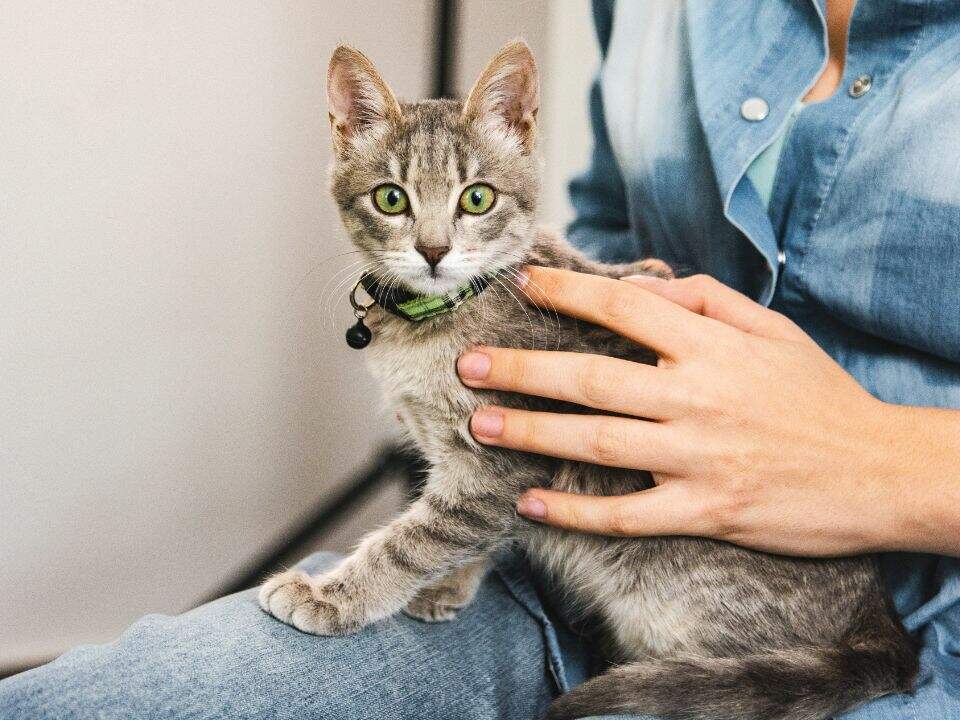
x=862, y=241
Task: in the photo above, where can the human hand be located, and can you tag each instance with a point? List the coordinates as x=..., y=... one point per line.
x=753, y=434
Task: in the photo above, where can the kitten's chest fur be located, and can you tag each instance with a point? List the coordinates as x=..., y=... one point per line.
x=416, y=366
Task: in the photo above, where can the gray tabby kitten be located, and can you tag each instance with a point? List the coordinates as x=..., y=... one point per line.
x=438, y=193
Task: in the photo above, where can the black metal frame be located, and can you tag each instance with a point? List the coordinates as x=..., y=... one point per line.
x=444, y=56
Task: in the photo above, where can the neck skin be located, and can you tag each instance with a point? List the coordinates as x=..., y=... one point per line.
x=839, y=13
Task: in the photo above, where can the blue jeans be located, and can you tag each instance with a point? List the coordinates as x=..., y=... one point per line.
x=502, y=657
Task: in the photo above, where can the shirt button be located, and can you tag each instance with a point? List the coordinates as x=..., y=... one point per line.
x=754, y=109
x=781, y=258
x=861, y=86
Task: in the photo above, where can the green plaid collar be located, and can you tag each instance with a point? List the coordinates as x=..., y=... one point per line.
x=415, y=308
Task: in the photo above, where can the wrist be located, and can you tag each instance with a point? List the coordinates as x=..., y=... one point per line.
x=915, y=461
x=876, y=477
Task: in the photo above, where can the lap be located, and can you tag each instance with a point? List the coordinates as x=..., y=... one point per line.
x=229, y=659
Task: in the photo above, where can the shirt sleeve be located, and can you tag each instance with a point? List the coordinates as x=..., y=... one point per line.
x=601, y=225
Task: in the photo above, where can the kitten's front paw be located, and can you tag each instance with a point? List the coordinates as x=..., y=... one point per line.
x=314, y=605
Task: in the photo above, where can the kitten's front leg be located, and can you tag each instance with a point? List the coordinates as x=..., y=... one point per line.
x=436, y=534
x=441, y=600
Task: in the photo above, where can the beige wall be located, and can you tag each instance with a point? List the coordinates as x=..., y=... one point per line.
x=172, y=392
x=170, y=395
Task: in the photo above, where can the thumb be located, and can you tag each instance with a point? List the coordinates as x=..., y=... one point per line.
x=665, y=509
x=706, y=296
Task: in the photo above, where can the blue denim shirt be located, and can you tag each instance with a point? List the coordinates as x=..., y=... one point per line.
x=861, y=244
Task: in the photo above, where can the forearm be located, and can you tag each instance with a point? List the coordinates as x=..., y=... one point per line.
x=922, y=458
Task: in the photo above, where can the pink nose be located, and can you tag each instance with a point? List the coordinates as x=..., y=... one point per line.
x=433, y=254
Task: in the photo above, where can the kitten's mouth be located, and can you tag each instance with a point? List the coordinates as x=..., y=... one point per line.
x=433, y=281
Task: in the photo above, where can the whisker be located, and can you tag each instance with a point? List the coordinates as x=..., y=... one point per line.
x=334, y=281
x=337, y=273
x=336, y=278
x=484, y=309
x=538, y=295
x=346, y=281
x=523, y=308
x=514, y=278
x=312, y=271
x=503, y=275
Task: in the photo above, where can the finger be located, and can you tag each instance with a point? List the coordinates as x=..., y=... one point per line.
x=644, y=317
x=598, y=439
x=595, y=381
x=706, y=296
x=668, y=509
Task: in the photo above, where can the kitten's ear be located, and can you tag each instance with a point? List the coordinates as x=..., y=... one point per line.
x=507, y=94
x=357, y=97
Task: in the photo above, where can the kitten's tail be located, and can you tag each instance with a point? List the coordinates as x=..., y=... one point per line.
x=801, y=684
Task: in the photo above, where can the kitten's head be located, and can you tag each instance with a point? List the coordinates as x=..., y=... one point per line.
x=438, y=192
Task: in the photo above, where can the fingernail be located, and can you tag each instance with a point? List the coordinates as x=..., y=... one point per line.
x=648, y=280
x=531, y=507
x=473, y=365
x=522, y=278
x=487, y=423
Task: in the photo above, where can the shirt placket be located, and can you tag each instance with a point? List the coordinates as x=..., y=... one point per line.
x=882, y=36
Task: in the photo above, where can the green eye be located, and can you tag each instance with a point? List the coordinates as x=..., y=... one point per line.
x=390, y=199
x=477, y=199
